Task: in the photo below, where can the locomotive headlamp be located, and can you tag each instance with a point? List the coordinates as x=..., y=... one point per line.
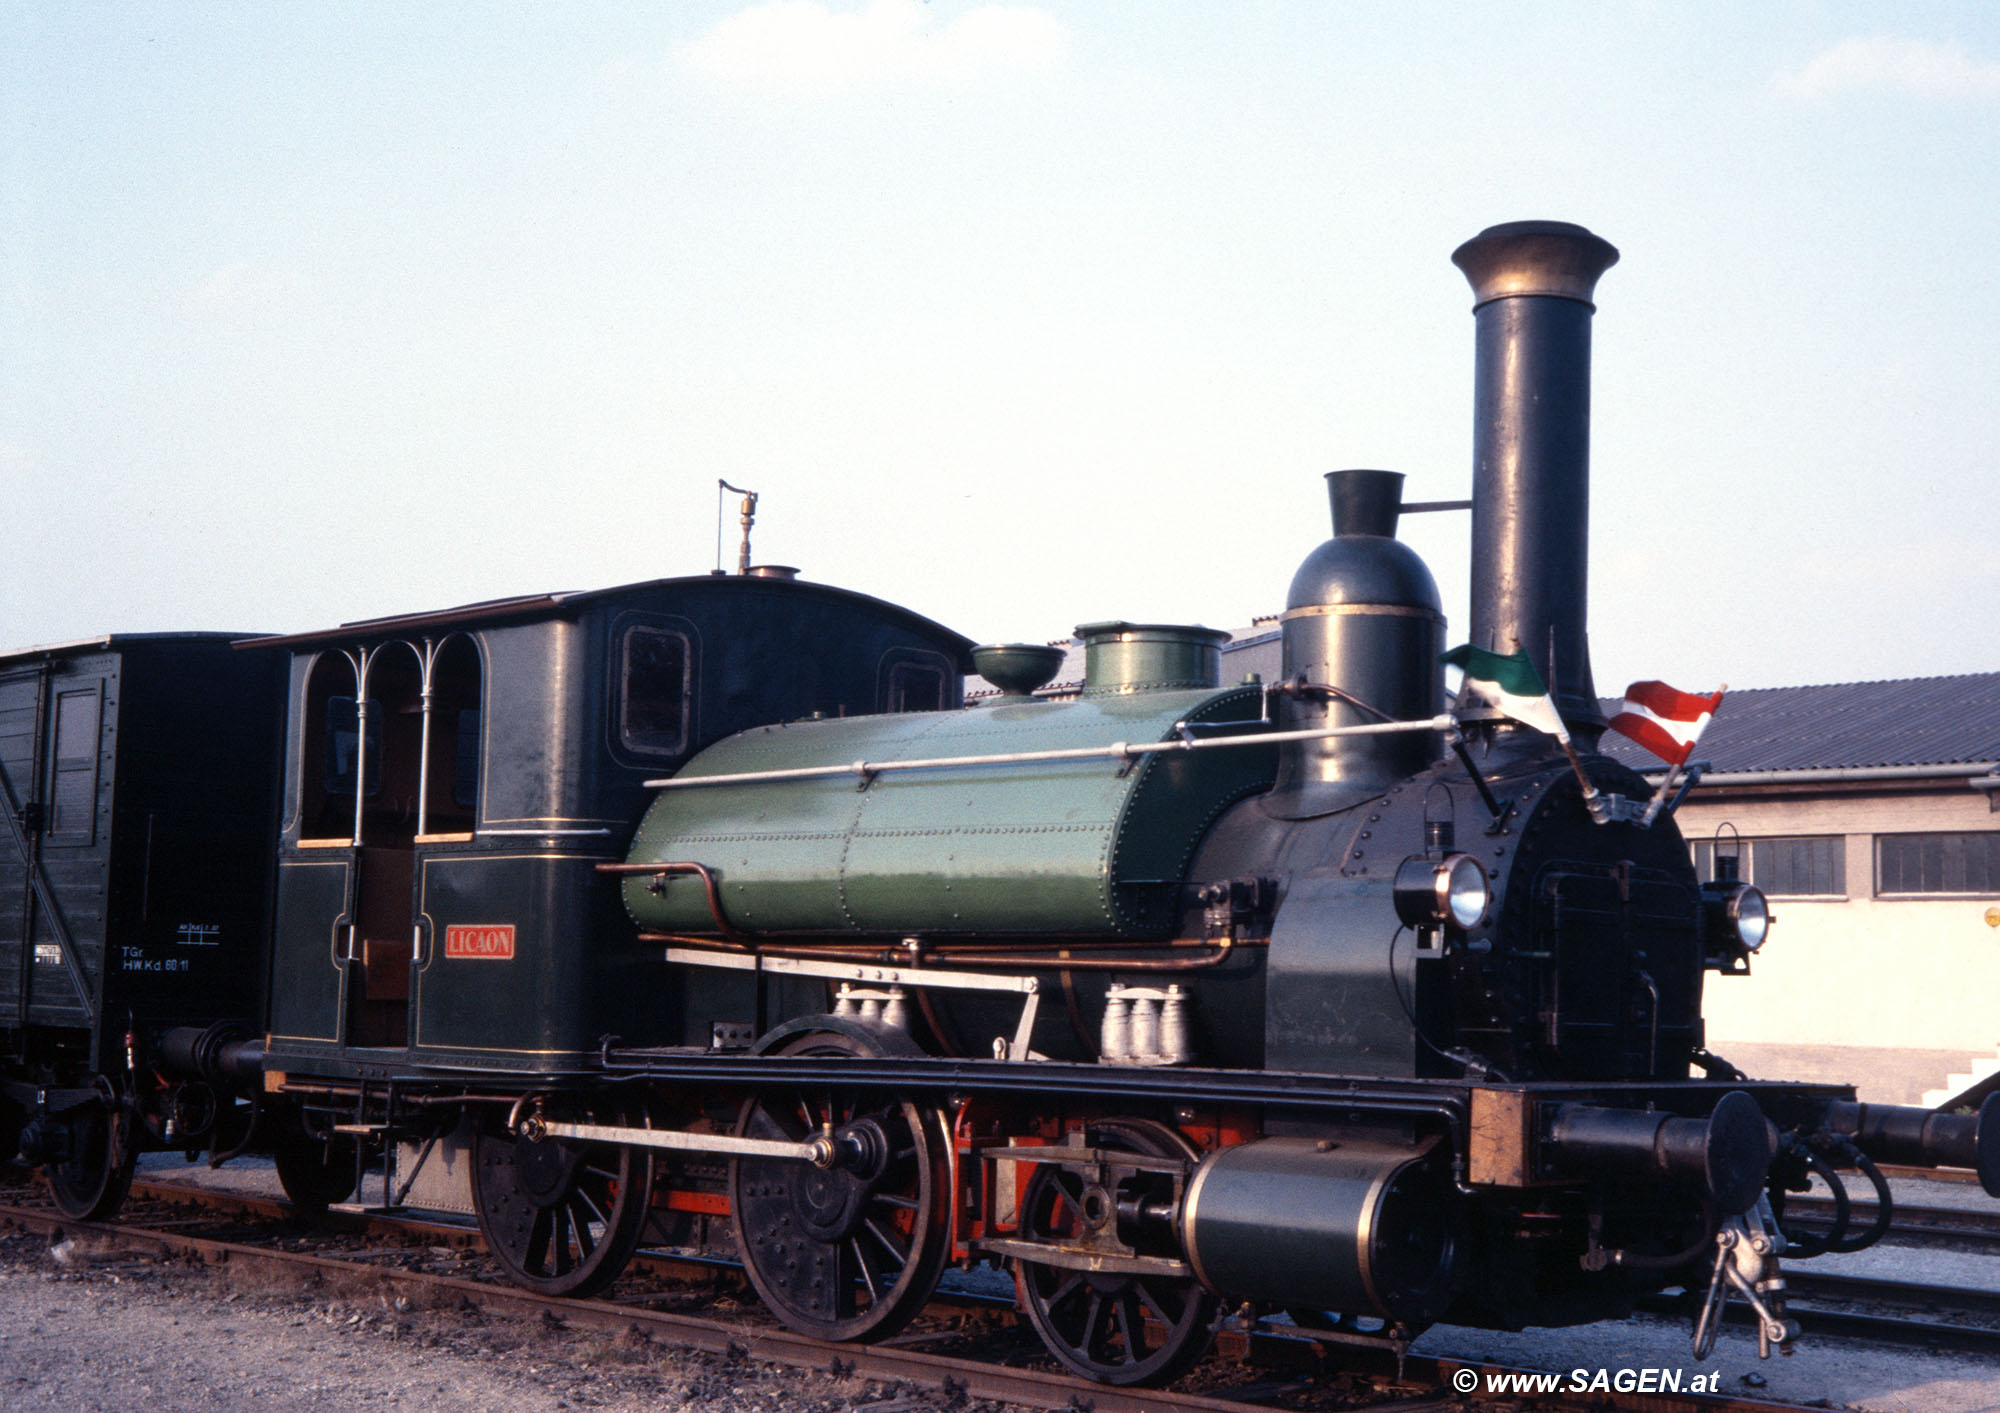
x=1738, y=918
x=1749, y=917
x=1433, y=892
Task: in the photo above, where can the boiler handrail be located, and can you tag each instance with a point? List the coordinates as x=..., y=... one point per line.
x=1117, y=750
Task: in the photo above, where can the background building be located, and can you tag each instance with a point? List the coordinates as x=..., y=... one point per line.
x=1865, y=811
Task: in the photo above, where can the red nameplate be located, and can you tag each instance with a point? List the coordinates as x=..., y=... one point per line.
x=492, y=944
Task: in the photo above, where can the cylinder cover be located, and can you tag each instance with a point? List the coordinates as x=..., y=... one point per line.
x=1359, y=1226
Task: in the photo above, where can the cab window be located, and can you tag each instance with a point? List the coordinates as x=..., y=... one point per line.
x=655, y=683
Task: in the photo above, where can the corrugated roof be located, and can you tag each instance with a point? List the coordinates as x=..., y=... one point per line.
x=1907, y=721
x=1847, y=725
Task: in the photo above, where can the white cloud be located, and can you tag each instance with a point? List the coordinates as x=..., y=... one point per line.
x=239, y=287
x=1913, y=66
x=810, y=44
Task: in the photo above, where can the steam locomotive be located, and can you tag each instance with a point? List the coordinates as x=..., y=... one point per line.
x=704, y=911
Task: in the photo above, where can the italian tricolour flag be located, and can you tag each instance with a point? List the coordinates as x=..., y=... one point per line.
x=1510, y=685
x=1665, y=720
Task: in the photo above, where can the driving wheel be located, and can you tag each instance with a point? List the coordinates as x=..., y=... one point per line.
x=561, y=1217
x=1114, y=1327
x=852, y=1251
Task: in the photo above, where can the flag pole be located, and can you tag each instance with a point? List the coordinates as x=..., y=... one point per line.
x=1667, y=781
x=1591, y=799
x=1660, y=795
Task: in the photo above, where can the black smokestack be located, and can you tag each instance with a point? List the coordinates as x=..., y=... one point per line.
x=1532, y=283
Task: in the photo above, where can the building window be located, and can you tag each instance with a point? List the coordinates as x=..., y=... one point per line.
x=1937, y=863
x=1806, y=866
x=654, y=711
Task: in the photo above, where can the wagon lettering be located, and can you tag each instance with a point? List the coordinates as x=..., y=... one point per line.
x=483, y=943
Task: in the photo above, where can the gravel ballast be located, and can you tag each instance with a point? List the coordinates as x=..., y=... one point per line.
x=98, y=1332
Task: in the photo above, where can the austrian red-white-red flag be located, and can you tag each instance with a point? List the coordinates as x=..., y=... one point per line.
x=1665, y=720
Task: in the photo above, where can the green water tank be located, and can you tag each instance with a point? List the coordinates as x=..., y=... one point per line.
x=1074, y=848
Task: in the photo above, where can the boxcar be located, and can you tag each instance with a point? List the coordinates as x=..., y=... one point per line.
x=136, y=785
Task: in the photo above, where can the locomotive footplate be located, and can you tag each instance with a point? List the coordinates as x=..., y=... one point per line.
x=1509, y=1135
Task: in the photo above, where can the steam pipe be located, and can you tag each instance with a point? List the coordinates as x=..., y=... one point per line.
x=1532, y=283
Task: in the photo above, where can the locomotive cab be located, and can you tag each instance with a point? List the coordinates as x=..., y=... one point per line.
x=453, y=780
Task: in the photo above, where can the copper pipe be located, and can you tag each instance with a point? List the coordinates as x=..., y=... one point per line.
x=701, y=871
x=947, y=1037
x=1217, y=951
x=1083, y=1036
x=742, y=946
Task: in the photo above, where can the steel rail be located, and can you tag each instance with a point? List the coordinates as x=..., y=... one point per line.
x=1831, y=1285
x=1911, y=1224
x=1818, y=1321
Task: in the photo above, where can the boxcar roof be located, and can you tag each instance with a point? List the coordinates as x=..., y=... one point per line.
x=104, y=641
x=538, y=605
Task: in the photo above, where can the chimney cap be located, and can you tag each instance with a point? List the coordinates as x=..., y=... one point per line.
x=1550, y=258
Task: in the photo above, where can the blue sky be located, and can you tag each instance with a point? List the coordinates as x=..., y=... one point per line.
x=1023, y=315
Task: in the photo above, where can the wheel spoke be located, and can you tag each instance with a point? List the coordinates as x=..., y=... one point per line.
x=563, y=1247
x=1092, y=1318
x=1071, y=1283
x=582, y=1198
x=1070, y=1185
x=899, y=1254
x=867, y=1271
x=537, y=1255
x=1131, y=1327
x=1146, y=1298
x=580, y=1230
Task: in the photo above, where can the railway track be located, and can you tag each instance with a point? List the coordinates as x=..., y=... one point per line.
x=1912, y=1224
x=966, y=1350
